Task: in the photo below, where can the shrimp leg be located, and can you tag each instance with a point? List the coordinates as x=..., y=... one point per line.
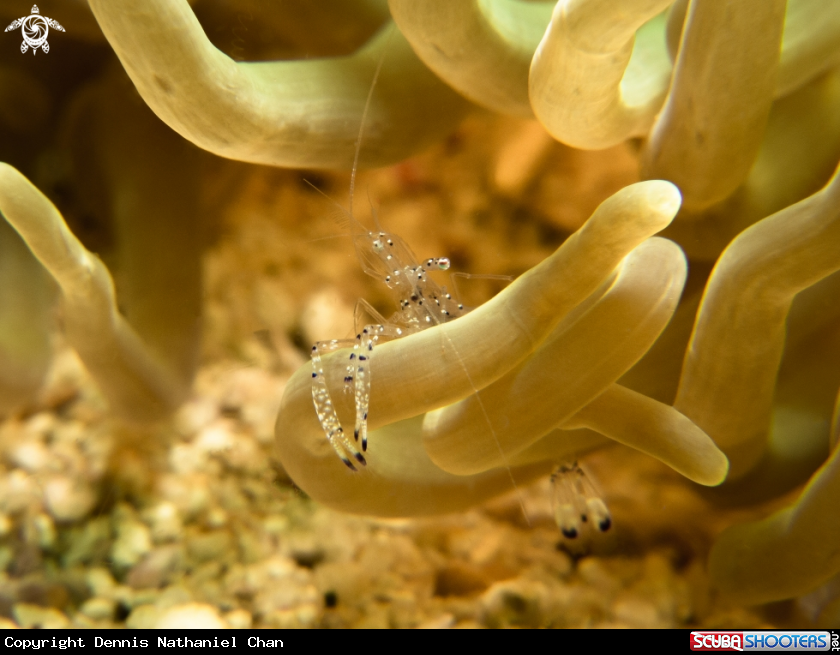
x=325, y=409
x=365, y=340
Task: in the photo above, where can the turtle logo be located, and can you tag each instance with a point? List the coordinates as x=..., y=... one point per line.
x=34, y=28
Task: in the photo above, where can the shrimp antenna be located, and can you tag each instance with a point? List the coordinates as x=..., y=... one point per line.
x=373, y=212
x=346, y=221
x=364, y=117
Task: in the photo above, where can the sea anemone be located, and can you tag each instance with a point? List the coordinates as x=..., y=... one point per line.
x=712, y=346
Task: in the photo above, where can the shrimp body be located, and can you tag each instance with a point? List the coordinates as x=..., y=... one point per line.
x=421, y=302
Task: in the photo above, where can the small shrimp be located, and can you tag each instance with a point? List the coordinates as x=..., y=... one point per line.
x=576, y=502
x=422, y=304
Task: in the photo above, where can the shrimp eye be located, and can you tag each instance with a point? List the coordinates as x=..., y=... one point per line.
x=378, y=246
x=443, y=263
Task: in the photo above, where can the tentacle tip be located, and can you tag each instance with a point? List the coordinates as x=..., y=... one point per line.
x=715, y=474
x=360, y=458
x=663, y=196
x=569, y=533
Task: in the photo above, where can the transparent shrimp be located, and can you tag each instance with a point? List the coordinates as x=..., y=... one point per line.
x=422, y=304
x=576, y=502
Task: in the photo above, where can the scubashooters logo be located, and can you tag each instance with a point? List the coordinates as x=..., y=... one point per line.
x=798, y=641
x=35, y=29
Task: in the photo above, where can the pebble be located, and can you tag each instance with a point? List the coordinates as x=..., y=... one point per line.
x=18, y=490
x=150, y=596
x=516, y=602
x=189, y=493
x=100, y=582
x=195, y=414
x=186, y=458
x=284, y=594
x=247, y=456
x=593, y=571
x=68, y=499
x=460, y=578
x=239, y=619
x=143, y=617
x=191, y=615
x=438, y=623
x=89, y=543
x=210, y=546
x=216, y=518
x=165, y=522
x=133, y=541
x=275, y=524
x=40, y=424
x=99, y=609
x=157, y=568
x=35, y=616
x=32, y=456
x=215, y=437
x=174, y=594
x=305, y=616
x=44, y=531
x=637, y=612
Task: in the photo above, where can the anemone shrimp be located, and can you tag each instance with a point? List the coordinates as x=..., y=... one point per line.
x=422, y=303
